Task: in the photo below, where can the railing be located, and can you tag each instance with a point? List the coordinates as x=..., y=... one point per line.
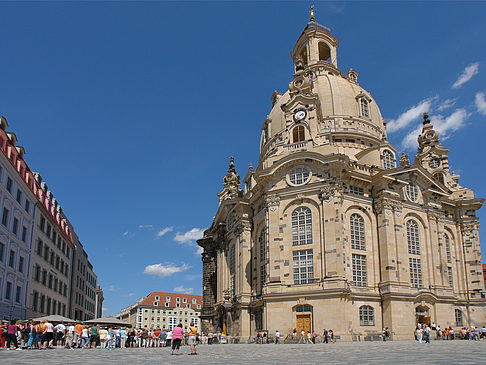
x=295, y=146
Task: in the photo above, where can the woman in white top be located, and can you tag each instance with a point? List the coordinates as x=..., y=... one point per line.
x=168, y=338
x=84, y=337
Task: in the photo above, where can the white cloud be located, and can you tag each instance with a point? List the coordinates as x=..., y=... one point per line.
x=125, y=234
x=466, y=75
x=111, y=288
x=409, y=142
x=181, y=289
x=452, y=123
x=129, y=295
x=164, y=231
x=444, y=126
x=165, y=269
x=199, y=250
x=105, y=309
x=481, y=102
x=145, y=226
x=409, y=116
x=189, y=236
x=448, y=103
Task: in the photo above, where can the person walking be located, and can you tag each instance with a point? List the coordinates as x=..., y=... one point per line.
x=84, y=337
x=277, y=337
x=427, y=334
x=176, y=338
x=418, y=333
x=70, y=336
x=77, y=334
x=308, y=338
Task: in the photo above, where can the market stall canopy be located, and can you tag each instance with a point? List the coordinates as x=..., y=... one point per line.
x=109, y=320
x=55, y=318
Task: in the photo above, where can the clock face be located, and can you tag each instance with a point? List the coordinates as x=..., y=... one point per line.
x=299, y=115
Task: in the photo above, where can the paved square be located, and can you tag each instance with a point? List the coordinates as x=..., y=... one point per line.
x=399, y=352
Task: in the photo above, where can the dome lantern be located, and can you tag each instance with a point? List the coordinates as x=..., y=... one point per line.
x=316, y=47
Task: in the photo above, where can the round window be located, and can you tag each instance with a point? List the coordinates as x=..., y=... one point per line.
x=299, y=176
x=434, y=163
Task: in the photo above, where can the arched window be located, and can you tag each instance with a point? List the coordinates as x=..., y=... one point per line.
x=303, y=55
x=324, y=52
x=303, y=308
x=357, y=232
x=302, y=226
x=439, y=177
x=366, y=315
x=412, y=192
x=388, y=160
x=413, y=238
x=458, y=315
x=364, y=105
x=448, y=248
x=299, y=175
x=298, y=134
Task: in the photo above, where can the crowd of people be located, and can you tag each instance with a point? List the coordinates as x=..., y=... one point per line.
x=43, y=335
x=424, y=332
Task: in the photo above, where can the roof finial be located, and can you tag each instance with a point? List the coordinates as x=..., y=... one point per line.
x=312, y=17
x=426, y=119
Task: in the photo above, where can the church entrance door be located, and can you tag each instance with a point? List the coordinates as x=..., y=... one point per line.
x=303, y=323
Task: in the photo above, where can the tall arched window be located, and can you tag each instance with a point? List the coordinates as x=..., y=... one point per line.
x=413, y=238
x=263, y=244
x=357, y=232
x=324, y=52
x=448, y=248
x=388, y=160
x=298, y=134
x=302, y=226
x=366, y=315
x=458, y=315
x=303, y=55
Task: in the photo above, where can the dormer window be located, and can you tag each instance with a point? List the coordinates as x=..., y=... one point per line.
x=388, y=160
x=363, y=104
x=365, y=112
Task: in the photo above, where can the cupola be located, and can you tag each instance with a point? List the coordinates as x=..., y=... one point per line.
x=316, y=47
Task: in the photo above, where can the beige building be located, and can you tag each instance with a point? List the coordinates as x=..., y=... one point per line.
x=164, y=311
x=49, y=290
x=329, y=232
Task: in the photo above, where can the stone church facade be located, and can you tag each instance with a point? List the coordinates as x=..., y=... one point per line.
x=328, y=231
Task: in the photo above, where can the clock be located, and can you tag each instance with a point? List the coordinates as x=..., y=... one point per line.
x=299, y=115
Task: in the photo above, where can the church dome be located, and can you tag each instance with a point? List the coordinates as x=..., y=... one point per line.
x=335, y=111
x=338, y=97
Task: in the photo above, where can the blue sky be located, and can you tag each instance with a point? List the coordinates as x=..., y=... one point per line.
x=131, y=110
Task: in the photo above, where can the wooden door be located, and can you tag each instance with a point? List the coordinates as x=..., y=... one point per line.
x=303, y=323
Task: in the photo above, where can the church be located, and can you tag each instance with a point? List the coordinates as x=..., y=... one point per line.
x=328, y=231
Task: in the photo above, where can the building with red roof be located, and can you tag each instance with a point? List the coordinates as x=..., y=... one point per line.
x=164, y=310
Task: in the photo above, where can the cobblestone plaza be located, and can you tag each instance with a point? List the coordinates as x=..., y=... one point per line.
x=403, y=352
